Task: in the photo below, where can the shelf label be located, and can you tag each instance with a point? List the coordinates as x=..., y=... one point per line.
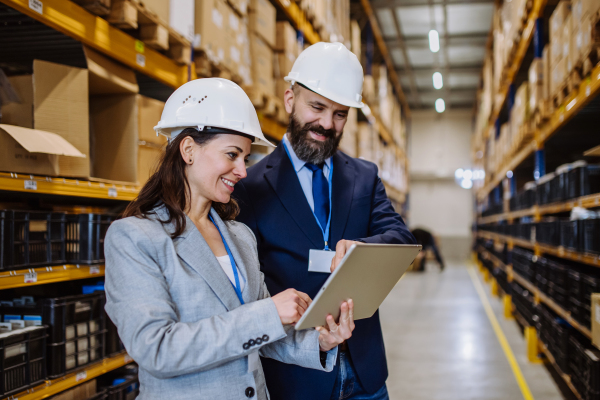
x=139, y=46
x=94, y=270
x=31, y=277
x=128, y=358
x=140, y=59
x=81, y=376
x=112, y=192
x=37, y=6
x=31, y=185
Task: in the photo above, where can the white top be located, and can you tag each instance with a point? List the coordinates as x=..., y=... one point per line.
x=226, y=265
x=305, y=175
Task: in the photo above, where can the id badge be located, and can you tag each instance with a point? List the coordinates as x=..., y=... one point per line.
x=253, y=361
x=320, y=260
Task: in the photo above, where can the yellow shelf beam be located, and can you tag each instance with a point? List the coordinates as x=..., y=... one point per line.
x=560, y=252
x=67, y=187
x=56, y=386
x=271, y=127
x=43, y=275
x=76, y=22
x=299, y=20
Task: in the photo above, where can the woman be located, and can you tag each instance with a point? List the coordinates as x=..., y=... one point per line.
x=182, y=278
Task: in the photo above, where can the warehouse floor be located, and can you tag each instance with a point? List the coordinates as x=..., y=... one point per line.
x=441, y=345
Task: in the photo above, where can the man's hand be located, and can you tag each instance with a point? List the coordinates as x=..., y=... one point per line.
x=291, y=305
x=334, y=334
x=340, y=251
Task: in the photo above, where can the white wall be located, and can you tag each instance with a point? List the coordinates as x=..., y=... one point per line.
x=440, y=144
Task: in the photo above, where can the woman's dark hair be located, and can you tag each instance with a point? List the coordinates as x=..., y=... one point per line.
x=169, y=186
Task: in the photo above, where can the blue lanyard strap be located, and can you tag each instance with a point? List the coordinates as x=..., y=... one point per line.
x=329, y=182
x=237, y=286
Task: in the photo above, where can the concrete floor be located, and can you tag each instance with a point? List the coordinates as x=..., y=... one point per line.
x=441, y=346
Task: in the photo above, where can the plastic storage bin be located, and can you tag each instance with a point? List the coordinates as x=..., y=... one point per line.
x=30, y=239
x=76, y=331
x=23, y=355
x=85, y=235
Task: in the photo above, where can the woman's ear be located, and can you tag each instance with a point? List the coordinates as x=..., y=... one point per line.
x=186, y=148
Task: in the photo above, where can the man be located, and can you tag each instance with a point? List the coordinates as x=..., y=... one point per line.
x=426, y=239
x=294, y=202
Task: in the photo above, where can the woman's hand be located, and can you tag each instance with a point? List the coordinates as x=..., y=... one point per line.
x=291, y=305
x=334, y=334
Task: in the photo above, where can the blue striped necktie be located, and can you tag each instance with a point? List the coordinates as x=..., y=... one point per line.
x=320, y=191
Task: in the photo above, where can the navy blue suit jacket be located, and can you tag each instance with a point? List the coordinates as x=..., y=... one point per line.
x=274, y=206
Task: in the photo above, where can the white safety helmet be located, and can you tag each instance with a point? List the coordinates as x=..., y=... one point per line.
x=331, y=70
x=210, y=103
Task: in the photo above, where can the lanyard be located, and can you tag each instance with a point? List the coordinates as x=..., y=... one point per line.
x=329, y=182
x=237, y=285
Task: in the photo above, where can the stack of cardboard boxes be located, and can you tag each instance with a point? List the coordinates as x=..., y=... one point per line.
x=97, y=111
x=286, y=52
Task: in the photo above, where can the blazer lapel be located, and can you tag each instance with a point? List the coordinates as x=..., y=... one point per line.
x=249, y=294
x=344, y=176
x=283, y=179
x=193, y=249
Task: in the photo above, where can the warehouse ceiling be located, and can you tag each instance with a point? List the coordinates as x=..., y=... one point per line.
x=463, y=27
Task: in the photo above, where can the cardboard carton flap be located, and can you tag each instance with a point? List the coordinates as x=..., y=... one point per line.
x=108, y=76
x=36, y=141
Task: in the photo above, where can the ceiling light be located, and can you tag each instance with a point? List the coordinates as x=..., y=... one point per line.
x=438, y=81
x=458, y=174
x=440, y=106
x=434, y=41
x=466, y=184
x=509, y=174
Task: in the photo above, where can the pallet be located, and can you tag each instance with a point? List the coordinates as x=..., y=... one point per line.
x=207, y=67
x=96, y=7
x=570, y=85
x=132, y=15
x=541, y=113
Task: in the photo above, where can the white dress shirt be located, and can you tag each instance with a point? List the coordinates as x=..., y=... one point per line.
x=225, y=263
x=305, y=175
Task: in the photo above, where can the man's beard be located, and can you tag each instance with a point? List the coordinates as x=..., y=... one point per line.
x=308, y=149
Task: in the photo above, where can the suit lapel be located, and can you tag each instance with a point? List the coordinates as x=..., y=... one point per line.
x=193, y=249
x=249, y=294
x=282, y=177
x=344, y=176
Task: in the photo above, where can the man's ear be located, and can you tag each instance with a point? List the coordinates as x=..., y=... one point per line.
x=288, y=99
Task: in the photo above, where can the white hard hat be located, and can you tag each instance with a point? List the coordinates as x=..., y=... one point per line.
x=210, y=103
x=331, y=70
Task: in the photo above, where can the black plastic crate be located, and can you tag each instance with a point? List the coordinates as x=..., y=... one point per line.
x=23, y=355
x=570, y=234
x=121, y=384
x=101, y=395
x=548, y=232
x=76, y=334
x=590, y=235
x=583, y=180
x=85, y=235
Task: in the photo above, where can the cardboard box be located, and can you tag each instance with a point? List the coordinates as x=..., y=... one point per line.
x=596, y=319
x=262, y=20
x=31, y=151
x=235, y=39
x=355, y=39
x=280, y=87
x=151, y=147
x=567, y=37
x=286, y=41
x=210, y=28
x=262, y=66
x=366, y=136
x=582, y=39
x=536, y=83
x=240, y=6
x=181, y=17
x=547, y=72
x=113, y=118
x=160, y=8
x=557, y=21
x=55, y=99
x=283, y=64
x=558, y=76
x=349, y=142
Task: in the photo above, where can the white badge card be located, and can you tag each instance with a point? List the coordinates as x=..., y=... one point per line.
x=253, y=361
x=320, y=260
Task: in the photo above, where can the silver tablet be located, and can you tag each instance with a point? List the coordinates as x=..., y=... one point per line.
x=366, y=274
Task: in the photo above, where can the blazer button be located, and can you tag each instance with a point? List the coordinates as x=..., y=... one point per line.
x=258, y=340
x=246, y=346
x=249, y=392
x=265, y=338
x=251, y=342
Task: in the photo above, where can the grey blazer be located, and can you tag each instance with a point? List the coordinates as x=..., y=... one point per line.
x=181, y=320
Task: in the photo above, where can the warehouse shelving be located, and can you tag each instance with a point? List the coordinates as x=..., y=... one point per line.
x=50, y=274
x=537, y=211
x=564, y=376
x=299, y=19
x=557, y=251
x=55, y=386
x=538, y=295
